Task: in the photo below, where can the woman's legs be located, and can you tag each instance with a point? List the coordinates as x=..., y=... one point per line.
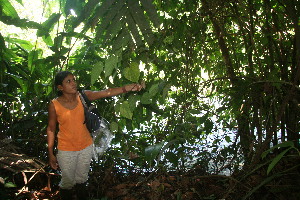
x=74, y=167
x=82, y=170
x=67, y=161
x=84, y=158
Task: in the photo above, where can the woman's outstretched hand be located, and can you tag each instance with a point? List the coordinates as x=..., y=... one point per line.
x=134, y=87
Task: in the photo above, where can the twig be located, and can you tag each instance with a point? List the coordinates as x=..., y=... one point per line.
x=25, y=186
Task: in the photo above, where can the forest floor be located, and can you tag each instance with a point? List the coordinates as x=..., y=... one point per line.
x=22, y=177
x=167, y=186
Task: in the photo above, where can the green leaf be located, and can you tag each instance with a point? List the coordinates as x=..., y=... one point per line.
x=139, y=17
x=8, y=9
x=153, y=90
x=10, y=185
x=76, y=5
x=152, y=151
x=284, y=144
x=166, y=90
x=265, y=181
x=105, y=22
x=227, y=138
x=23, y=43
x=48, y=90
x=47, y=39
x=116, y=25
x=277, y=159
x=133, y=30
x=133, y=99
x=81, y=66
x=38, y=89
x=169, y=39
x=114, y=126
x=121, y=40
x=172, y=157
x=194, y=111
x=132, y=72
x=96, y=71
x=125, y=110
x=58, y=41
x=146, y=98
x=2, y=46
x=151, y=12
x=110, y=65
x=117, y=107
x=32, y=57
x=48, y=25
x=20, y=2
x=208, y=126
x=23, y=23
x=10, y=54
x=22, y=83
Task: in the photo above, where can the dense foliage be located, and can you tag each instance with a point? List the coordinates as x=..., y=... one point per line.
x=222, y=78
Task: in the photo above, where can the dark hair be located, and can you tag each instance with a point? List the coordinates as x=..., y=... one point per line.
x=59, y=77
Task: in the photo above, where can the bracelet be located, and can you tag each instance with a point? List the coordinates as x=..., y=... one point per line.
x=124, y=89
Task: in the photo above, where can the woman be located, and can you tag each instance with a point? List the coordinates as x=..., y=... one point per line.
x=74, y=140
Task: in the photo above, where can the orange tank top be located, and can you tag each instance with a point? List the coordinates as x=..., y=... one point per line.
x=73, y=134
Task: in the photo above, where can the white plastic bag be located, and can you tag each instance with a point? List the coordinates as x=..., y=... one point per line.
x=102, y=139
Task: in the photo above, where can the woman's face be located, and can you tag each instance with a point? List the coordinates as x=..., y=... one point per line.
x=68, y=85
